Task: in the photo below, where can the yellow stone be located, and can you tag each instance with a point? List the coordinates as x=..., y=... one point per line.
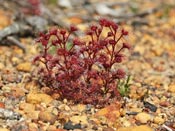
x=103, y=112
x=5, y=20
x=172, y=21
x=32, y=86
x=46, y=116
x=159, y=120
x=1, y=66
x=136, y=128
x=111, y=112
x=78, y=119
x=171, y=88
x=32, y=115
x=143, y=117
x=36, y=98
x=81, y=107
x=33, y=126
x=27, y=107
x=15, y=60
x=4, y=129
x=135, y=109
x=26, y=67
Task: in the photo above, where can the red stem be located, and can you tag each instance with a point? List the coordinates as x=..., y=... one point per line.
x=113, y=50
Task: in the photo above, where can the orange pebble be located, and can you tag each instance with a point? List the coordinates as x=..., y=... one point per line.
x=2, y=105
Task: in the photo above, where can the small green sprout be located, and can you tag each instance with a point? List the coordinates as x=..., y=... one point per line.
x=124, y=86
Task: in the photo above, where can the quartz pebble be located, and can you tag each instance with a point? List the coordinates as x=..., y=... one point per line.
x=65, y=3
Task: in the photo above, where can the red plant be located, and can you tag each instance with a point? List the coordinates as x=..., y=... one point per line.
x=85, y=71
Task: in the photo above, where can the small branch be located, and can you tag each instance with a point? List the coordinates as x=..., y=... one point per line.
x=12, y=29
x=146, y=12
x=167, y=128
x=16, y=42
x=142, y=14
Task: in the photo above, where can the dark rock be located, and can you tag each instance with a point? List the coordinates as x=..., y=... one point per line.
x=95, y=127
x=88, y=107
x=150, y=106
x=70, y=126
x=131, y=113
x=77, y=126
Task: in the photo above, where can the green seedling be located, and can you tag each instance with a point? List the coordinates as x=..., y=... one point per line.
x=124, y=86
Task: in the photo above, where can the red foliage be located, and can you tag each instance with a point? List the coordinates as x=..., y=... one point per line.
x=84, y=72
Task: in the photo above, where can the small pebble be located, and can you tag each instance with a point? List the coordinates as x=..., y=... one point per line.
x=26, y=67
x=159, y=120
x=36, y=98
x=150, y=106
x=4, y=129
x=64, y=3
x=171, y=88
x=2, y=105
x=108, y=129
x=143, y=117
x=32, y=114
x=27, y=107
x=95, y=127
x=46, y=116
x=78, y=119
x=69, y=126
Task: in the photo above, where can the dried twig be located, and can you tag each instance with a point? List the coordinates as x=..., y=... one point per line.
x=167, y=128
x=16, y=42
